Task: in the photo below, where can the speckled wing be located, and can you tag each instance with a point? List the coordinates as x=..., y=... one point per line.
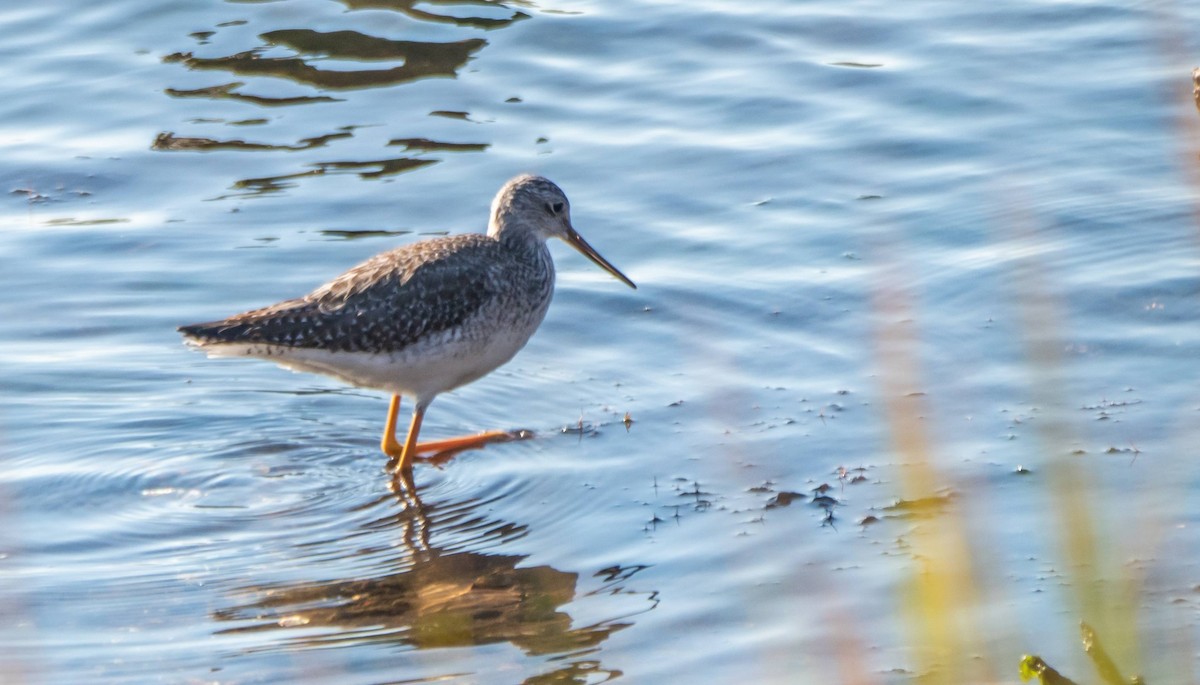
x=385, y=304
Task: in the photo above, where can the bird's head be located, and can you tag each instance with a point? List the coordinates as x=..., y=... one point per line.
x=535, y=208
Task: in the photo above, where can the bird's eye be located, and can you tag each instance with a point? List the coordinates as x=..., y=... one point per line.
x=554, y=209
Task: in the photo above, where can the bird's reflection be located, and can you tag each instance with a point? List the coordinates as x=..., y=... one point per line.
x=438, y=598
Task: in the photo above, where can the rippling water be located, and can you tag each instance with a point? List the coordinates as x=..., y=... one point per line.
x=922, y=253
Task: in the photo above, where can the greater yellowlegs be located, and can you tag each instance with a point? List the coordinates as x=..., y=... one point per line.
x=421, y=319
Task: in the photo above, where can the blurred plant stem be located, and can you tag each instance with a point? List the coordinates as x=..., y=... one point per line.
x=1104, y=594
x=941, y=599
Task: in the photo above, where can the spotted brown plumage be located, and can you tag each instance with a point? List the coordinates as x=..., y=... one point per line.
x=398, y=298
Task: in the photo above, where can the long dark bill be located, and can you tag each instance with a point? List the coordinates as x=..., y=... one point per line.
x=576, y=241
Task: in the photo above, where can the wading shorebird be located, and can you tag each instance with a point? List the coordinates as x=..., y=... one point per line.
x=421, y=319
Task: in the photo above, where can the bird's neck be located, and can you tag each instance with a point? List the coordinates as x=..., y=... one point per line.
x=522, y=242
x=525, y=243
x=511, y=233
x=503, y=214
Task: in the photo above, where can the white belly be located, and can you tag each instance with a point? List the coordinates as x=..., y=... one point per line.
x=420, y=371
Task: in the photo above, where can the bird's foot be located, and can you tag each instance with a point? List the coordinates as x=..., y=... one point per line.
x=438, y=452
x=467, y=442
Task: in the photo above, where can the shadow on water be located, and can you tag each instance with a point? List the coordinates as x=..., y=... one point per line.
x=438, y=596
x=365, y=169
x=228, y=91
x=421, y=59
x=356, y=55
x=409, y=8
x=169, y=141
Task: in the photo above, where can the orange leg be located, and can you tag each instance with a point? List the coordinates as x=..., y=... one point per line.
x=410, y=443
x=402, y=455
x=389, y=445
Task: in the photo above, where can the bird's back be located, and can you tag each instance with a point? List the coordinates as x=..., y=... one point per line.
x=451, y=286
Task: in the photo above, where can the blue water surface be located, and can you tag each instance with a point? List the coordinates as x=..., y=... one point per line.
x=940, y=257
